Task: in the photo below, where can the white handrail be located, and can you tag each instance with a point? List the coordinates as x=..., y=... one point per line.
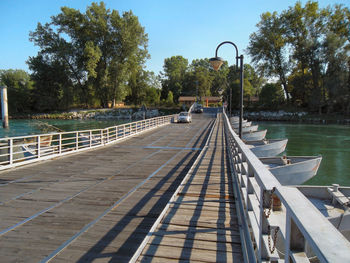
x=265, y=207
x=20, y=150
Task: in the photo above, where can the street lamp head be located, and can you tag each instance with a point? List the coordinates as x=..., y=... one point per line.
x=216, y=63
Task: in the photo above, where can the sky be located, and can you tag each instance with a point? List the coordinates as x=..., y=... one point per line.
x=190, y=28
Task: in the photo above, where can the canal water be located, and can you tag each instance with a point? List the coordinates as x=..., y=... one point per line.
x=332, y=142
x=27, y=127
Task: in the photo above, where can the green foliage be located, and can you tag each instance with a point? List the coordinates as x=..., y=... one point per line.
x=271, y=96
x=306, y=48
x=170, y=99
x=97, y=51
x=175, y=69
x=19, y=90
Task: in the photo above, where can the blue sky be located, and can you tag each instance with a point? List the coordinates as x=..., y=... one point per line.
x=191, y=28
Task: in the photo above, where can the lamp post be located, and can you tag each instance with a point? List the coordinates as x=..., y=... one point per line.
x=216, y=63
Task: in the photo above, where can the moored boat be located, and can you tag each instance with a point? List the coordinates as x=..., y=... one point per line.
x=268, y=148
x=235, y=125
x=333, y=202
x=248, y=128
x=254, y=136
x=292, y=170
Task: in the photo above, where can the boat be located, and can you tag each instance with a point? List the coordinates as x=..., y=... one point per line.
x=333, y=202
x=236, y=119
x=30, y=147
x=267, y=148
x=292, y=170
x=248, y=129
x=253, y=136
x=235, y=125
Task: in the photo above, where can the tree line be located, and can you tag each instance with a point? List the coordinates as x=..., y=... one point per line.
x=307, y=49
x=97, y=58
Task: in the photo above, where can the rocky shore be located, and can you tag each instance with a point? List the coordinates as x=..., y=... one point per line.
x=303, y=117
x=99, y=114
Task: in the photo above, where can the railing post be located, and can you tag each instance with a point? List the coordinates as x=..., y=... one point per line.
x=262, y=225
x=101, y=135
x=107, y=135
x=116, y=132
x=77, y=140
x=10, y=151
x=59, y=143
x=38, y=146
x=295, y=240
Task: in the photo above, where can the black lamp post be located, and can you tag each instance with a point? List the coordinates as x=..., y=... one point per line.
x=216, y=63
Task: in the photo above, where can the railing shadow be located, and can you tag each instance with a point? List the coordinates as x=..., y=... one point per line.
x=195, y=227
x=134, y=239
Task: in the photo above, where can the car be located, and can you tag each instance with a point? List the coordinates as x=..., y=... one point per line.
x=184, y=117
x=198, y=109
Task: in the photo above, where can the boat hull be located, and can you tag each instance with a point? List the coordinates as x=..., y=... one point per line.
x=235, y=125
x=272, y=148
x=254, y=136
x=293, y=170
x=253, y=128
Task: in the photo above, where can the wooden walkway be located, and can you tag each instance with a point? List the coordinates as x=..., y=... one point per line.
x=200, y=225
x=99, y=205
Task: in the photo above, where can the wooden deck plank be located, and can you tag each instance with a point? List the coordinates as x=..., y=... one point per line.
x=201, y=223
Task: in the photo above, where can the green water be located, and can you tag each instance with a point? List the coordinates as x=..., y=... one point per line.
x=332, y=142
x=27, y=127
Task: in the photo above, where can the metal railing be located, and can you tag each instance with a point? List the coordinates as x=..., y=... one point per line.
x=278, y=223
x=15, y=151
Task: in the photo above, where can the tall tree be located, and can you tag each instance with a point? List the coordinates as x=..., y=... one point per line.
x=173, y=76
x=19, y=89
x=268, y=48
x=97, y=47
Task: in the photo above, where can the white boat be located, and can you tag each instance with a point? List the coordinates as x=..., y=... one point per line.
x=236, y=119
x=235, y=125
x=267, y=148
x=292, y=170
x=333, y=202
x=248, y=129
x=254, y=136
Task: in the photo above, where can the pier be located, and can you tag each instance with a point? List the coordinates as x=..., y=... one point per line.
x=154, y=191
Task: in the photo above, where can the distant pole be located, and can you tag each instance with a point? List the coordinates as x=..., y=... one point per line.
x=4, y=108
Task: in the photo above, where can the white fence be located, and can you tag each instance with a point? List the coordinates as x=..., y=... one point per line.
x=15, y=151
x=278, y=223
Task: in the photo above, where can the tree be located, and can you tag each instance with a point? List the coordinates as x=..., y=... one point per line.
x=268, y=48
x=271, y=95
x=19, y=90
x=305, y=47
x=173, y=79
x=97, y=49
x=170, y=99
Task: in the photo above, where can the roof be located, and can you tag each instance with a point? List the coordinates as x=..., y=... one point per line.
x=193, y=98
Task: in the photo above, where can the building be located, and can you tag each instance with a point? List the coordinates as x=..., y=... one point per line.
x=188, y=100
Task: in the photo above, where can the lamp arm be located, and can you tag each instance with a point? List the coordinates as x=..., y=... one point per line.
x=228, y=42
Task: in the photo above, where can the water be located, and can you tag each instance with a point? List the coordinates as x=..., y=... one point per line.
x=332, y=142
x=27, y=127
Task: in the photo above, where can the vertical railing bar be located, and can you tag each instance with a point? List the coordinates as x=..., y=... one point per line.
x=77, y=140
x=59, y=143
x=10, y=144
x=288, y=237
x=38, y=146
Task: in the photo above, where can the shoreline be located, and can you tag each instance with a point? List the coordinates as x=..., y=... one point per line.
x=97, y=114
x=296, y=117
